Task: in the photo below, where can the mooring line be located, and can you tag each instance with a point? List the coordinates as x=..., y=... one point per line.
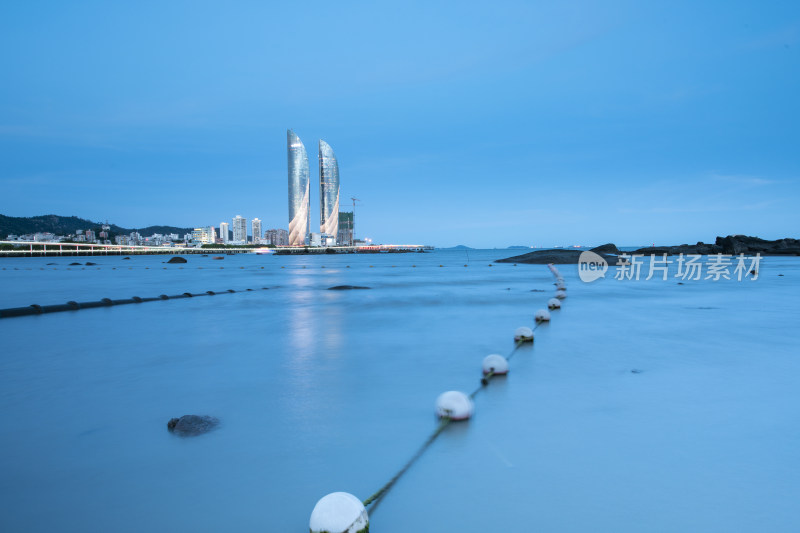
x=383, y=490
x=333, y=507
x=442, y=424
x=36, y=309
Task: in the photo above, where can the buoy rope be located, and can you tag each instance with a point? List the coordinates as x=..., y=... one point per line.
x=36, y=309
x=383, y=490
x=442, y=424
x=445, y=420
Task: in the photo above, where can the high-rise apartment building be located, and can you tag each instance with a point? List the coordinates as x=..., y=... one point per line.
x=223, y=232
x=276, y=237
x=328, y=191
x=299, y=188
x=256, y=231
x=239, y=230
x=345, y=235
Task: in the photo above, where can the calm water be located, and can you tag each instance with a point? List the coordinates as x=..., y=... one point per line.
x=321, y=391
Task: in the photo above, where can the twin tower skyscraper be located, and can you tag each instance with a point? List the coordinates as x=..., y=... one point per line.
x=300, y=186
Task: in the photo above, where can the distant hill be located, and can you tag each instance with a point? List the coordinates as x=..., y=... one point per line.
x=459, y=247
x=69, y=225
x=517, y=247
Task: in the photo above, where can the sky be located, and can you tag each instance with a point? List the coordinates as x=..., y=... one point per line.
x=487, y=124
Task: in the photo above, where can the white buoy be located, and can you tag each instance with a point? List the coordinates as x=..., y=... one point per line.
x=542, y=315
x=555, y=272
x=561, y=295
x=455, y=405
x=554, y=303
x=339, y=512
x=523, y=334
x=495, y=364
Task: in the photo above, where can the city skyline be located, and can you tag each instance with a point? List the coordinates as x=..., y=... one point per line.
x=515, y=124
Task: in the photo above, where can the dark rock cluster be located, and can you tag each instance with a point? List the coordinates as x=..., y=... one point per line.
x=730, y=245
x=191, y=425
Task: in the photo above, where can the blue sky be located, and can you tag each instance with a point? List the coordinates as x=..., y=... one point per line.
x=486, y=123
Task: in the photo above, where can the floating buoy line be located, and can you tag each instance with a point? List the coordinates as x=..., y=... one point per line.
x=342, y=512
x=36, y=309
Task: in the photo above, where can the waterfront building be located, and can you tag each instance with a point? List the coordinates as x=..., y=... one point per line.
x=43, y=237
x=256, y=231
x=203, y=235
x=276, y=237
x=328, y=190
x=239, y=230
x=299, y=189
x=346, y=228
x=223, y=232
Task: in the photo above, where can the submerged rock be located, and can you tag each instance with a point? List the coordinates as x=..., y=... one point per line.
x=191, y=425
x=177, y=259
x=346, y=288
x=74, y=264
x=89, y=263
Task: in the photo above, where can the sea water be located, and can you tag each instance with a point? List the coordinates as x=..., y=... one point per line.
x=642, y=406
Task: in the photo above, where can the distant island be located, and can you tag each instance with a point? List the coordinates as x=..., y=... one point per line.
x=458, y=247
x=61, y=225
x=730, y=245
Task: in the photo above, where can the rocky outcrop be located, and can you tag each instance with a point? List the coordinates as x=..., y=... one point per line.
x=606, y=249
x=191, y=425
x=346, y=287
x=730, y=245
x=177, y=259
x=562, y=257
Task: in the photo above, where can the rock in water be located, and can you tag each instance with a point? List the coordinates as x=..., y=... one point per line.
x=177, y=259
x=191, y=425
x=346, y=287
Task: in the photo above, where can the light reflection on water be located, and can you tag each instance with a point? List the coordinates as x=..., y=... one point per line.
x=323, y=390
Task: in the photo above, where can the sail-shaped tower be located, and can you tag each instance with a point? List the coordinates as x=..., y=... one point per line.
x=328, y=190
x=299, y=187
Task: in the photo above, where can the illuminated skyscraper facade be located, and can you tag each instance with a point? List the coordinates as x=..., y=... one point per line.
x=299, y=187
x=239, y=230
x=256, y=224
x=328, y=191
